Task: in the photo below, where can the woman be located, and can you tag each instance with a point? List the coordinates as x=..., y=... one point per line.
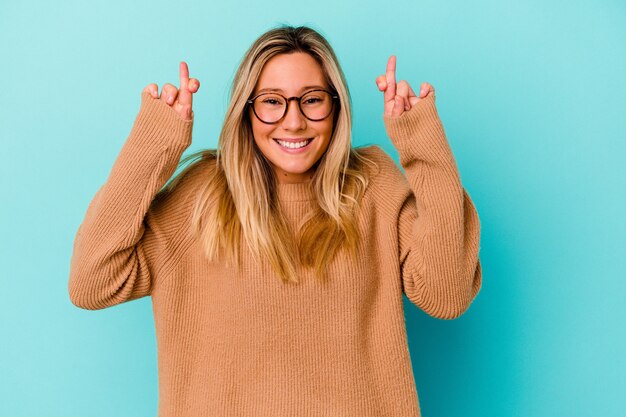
x=277, y=263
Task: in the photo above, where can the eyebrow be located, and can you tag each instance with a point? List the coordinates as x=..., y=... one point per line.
x=281, y=91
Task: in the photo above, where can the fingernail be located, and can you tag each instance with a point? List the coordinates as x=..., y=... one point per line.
x=169, y=99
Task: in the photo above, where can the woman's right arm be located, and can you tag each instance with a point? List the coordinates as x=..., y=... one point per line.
x=121, y=242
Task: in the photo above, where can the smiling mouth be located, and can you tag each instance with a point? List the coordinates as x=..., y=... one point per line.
x=293, y=145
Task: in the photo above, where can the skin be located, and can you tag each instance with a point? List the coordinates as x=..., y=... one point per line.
x=399, y=97
x=180, y=100
x=290, y=73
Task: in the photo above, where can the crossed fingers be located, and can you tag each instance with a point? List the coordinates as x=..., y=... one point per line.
x=180, y=99
x=399, y=97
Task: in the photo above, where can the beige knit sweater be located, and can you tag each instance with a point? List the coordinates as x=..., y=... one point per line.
x=248, y=345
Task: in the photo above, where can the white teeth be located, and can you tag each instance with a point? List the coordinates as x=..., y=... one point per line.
x=293, y=145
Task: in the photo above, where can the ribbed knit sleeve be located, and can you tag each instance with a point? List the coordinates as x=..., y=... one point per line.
x=438, y=225
x=118, y=244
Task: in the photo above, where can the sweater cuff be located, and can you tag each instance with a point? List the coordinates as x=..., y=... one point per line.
x=419, y=133
x=158, y=126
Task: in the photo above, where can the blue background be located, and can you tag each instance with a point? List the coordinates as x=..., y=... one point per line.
x=532, y=97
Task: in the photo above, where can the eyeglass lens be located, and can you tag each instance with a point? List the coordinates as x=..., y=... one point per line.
x=270, y=107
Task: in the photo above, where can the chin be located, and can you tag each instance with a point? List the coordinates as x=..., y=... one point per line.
x=295, y=170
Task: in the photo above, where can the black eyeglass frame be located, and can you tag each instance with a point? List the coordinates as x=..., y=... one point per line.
x=299, y=100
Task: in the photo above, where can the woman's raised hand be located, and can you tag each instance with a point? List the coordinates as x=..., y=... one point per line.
x=399, y=98
x=180, y=100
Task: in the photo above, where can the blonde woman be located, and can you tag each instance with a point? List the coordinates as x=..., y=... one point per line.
x=277, y=262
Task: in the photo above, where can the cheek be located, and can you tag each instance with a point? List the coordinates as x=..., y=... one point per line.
x=330, y=128
x=328, y=131
x=261, y=131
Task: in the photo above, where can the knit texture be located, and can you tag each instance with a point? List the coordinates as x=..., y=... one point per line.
x=243, y=343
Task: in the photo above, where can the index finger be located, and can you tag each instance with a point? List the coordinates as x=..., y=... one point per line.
x=184, y=76
x=390, y=75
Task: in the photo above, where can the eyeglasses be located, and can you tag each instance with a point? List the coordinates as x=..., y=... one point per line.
x=315, y=105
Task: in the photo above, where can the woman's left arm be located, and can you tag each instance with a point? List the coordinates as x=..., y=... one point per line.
x=438, y=226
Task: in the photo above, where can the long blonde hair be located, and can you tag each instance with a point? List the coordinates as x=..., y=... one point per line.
x=239, y=196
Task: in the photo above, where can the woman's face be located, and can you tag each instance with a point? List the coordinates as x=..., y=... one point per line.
x=292, y=75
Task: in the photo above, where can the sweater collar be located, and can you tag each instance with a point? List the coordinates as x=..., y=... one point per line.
x=299, y=191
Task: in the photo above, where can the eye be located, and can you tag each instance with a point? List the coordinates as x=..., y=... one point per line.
x=312, y=100
x=270, y=101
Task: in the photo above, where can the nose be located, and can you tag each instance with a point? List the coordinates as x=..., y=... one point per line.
x=294, y=119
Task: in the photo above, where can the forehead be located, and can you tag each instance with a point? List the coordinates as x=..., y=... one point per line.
x=291, y=74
